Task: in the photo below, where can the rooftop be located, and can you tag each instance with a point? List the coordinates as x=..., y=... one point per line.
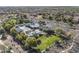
x=29, y=29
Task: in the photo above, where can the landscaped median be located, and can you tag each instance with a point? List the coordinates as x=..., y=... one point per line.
x=47, y=41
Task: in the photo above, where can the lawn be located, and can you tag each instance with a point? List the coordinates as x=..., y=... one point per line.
x=47, y=41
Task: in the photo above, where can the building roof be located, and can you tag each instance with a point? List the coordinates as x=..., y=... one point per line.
x=23, y=28
x=27, y=29
x=34, y=25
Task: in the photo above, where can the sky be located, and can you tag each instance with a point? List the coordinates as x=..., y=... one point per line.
x=39, y=2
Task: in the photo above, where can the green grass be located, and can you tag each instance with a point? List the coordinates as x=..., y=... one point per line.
x=47, y=41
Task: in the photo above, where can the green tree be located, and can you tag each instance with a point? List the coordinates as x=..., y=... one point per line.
x=59, y=31
x=70, y=21
x=9, y=24
x=50, y=18
x=21, y=37
x=58, y=17
x=1, y=29
x=13, y=31
x=31, y=41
